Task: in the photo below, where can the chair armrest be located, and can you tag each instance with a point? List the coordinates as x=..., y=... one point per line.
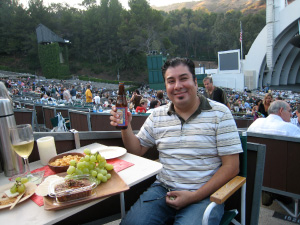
x=223, y=193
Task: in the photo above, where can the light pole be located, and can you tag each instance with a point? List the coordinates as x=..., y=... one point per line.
x=118, y=76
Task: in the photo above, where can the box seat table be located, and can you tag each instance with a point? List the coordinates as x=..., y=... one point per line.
x=30, y=213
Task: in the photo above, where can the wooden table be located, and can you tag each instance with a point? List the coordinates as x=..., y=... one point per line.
x=30, y=213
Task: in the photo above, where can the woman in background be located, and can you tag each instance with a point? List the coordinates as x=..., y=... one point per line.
x=255, y=107
x=160, y=97
x=136, y=98
x=264, y=106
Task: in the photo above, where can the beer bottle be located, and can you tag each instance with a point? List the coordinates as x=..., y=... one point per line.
x=122, y=107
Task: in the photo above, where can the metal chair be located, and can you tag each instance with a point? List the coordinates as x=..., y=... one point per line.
x=80, y=120
x=26, y=116
x=48, y=113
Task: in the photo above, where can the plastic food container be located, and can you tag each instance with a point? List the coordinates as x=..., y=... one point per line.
x=72, y=189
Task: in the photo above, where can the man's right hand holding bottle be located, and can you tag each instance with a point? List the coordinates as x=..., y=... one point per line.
x=115, y=117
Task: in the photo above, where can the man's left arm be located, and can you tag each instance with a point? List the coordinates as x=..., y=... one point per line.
x=228, y=170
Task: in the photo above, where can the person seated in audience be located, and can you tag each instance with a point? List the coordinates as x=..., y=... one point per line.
x=296, y=121
x=16, y=92
x=111, y=102
x=263, y=107
x=143, y=106
x=153, y=104
x=255, y=107
x=161, y=98
x=97, y=99
x=136, y=98
x=277, y=122
x=67, y=95
x=44, y=98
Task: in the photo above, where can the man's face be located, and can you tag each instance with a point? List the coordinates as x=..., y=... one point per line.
x=208, y=85
x=180, y=86
x=286, y=114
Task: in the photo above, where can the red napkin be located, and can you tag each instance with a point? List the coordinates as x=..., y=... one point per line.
x=47, y=170
x=39, y=199
x=119, y=165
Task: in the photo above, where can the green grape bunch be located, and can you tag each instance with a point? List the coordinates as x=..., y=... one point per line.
x=19, y=185
x=93, y=164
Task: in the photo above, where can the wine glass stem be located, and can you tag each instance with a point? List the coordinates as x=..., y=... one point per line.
x=27, y=170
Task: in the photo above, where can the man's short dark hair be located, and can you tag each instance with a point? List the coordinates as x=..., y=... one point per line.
x=160, y=95
x=153, y=103
x=179, y=61
x=257, y=101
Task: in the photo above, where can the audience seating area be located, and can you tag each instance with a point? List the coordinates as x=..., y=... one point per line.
x=84, y=119
x=281, y=173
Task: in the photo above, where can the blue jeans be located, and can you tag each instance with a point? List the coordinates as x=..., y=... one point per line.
x=151, y=209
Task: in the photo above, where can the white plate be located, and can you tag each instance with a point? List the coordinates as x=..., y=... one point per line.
x=111, y=152
x=30, y=189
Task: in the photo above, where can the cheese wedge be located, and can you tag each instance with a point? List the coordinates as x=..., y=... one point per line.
x=42, y=189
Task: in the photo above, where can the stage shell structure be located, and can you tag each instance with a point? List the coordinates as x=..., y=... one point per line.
x=274, y=57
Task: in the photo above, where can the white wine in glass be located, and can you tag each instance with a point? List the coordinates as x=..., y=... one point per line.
x=24, y=148
x=22, y=141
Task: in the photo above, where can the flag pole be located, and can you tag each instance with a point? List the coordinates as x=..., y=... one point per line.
x=241, y=39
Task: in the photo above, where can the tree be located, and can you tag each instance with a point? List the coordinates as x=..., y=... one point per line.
x=222, y=39
x=141, y=27
x=142, y=30
x=13, y=28
x=107, y=37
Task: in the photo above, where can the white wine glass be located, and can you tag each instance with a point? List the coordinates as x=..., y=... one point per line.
x=22, y=140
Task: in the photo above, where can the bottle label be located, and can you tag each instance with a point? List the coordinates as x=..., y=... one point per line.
x=122, y=111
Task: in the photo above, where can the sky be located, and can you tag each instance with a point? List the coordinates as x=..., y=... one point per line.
x=123, y=2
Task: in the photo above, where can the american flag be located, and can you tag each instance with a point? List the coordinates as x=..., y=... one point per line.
x=241, y=32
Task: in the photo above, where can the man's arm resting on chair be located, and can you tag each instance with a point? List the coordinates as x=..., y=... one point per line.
x=227, y=190
x=228, y=170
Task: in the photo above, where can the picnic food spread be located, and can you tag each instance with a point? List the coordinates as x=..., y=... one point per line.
x=83, y=176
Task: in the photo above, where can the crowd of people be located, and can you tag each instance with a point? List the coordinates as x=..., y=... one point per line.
x=247, y=103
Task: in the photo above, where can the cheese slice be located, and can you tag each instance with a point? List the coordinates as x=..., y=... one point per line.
x=11, y=195
x=42, y=189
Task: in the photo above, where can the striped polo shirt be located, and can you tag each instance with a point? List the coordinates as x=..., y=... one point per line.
x=190, y=150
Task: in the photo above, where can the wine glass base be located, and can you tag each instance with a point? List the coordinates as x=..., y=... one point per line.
x=35, y=178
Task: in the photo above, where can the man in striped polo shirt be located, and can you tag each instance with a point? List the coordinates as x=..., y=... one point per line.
x=198, y=145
